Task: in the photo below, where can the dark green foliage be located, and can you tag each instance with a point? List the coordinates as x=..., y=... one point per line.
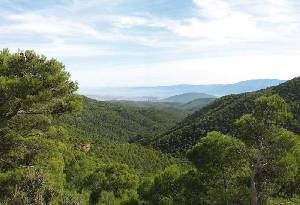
x=143, y=160
x=116, y=179
x=174, y=187
x=31, y=84
x=165, y=188
x=283, y=169
x=33, y=89
x=228, y=149
x=222, y=166
x=260, y=130
x=33, y=188
x=77, y=167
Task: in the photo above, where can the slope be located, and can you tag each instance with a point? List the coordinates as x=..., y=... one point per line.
x=221, y=114
x=197, y=104
x=187, y=97
x=119, y=122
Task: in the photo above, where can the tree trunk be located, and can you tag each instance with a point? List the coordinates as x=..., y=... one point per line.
x=256, y=166
x=254, y=198
x=225, y=187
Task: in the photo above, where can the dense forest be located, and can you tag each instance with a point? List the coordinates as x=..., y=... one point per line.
x=57, y=147
x=120, y=122
x=188, y=107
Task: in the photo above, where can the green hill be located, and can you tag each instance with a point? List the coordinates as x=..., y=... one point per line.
x=187, y=97
x=150, y=104
x=197, y=104
x=186, y=108
x=221, y=114
x=119, y=122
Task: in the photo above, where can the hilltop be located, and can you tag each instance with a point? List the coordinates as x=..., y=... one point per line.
x=197, y=104
x=187, y=97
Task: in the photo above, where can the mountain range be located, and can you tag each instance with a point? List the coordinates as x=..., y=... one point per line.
x=158, y=93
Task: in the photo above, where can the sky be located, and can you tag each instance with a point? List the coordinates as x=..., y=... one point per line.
x=109, y=43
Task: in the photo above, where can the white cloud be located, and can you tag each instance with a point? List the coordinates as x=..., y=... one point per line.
x=227, y=21
x=278, y=11
x=195, y=71
x=51, y=25
x=258, y=29
x=214, y=8
x=130, y=21
x=68, y=29
x=233, y=27
x=224, y=21
x=60, y=49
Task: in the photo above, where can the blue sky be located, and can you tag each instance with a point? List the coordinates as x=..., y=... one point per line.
x=159, y=42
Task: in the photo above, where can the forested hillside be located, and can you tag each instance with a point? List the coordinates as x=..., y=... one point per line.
x=221, y=114
x=109, y=127
x=119, y=122
x=197, y=104
x=184, y=108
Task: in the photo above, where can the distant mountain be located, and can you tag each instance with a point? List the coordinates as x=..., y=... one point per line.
x=187, y=97
x=121, y=97
x=160, y=92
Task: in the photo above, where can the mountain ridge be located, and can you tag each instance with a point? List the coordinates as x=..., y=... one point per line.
x=187, y=97
x=221, y=114
x=156, y=93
